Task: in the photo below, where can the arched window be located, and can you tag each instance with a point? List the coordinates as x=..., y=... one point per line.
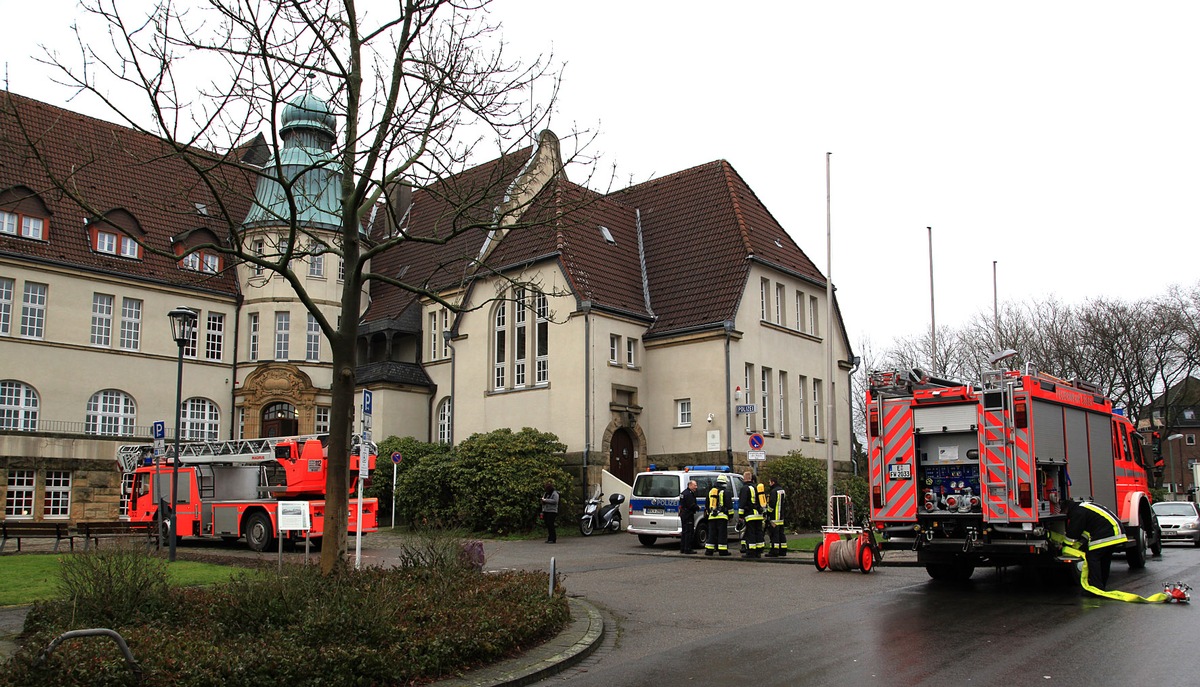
x=18, y=406
x=199, y=419
x=500, y=347
x=527, y=344
x=445, y=420
x=110, y=412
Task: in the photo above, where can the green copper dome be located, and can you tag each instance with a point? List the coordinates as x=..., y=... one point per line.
x=308, y=111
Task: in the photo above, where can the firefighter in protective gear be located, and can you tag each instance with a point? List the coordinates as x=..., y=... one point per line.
x=1101, y=529
x=774, y=515
x=718, y=519
x=751, y=511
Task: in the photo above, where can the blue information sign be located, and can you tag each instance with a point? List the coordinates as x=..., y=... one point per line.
x=366, y=401
x=160, y=430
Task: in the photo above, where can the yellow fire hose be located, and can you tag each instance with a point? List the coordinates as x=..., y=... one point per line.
x=1069, y=550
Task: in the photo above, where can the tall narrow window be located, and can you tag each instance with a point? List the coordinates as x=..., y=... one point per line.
x=542, y=313
x=683, y=412
x=444, y=331
x=520, y=337
x=800, y=302
x=33, y=310
x=312, y=343
x=258, y=247
x=8, y=223
x=444, y=420
x=434, y=336
x=614, y=349
x=316, y=265
x=102, y=314
x=782, y=404
x=193, y=332
x=765, y=389
x=801, y=394
x=18, y=499
x=214, y=337
x=110, y=412
x=814, y=327
x=500, y=338
x=341, y=269
x=6, y=306
x=56, y=503
x=252, y=325
x=780, y=318
x=282, y=323
x=199, y=420
x=764, y=295
x=18, y=406
x=131, y=324
x=631, y=352
x=816, y=404
x=748, y=382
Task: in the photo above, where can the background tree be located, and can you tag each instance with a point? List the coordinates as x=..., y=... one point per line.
x=420, y=89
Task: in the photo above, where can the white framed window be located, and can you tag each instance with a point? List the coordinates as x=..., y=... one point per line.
x=193, y=336
x=614, y=349
x=765, y=389
x=341, y=269
x=499, y=345
x=110, y=412
x=316, y=266
x=18, y=500
x=434, y=336
x=31, y=227
x=130, y=248
x=800, y=301
x=212, y=263
x=6, y=306
x=252, y=325
x=102, y=315
x=199, y=420
x=541, y=309
x=8, y=223
x=780, y=316
x=520, y=337
x=191, y=261
x=445, y=420
x=282, y=344
x=18, y=406
x=258, y=247
x=33, y=310
x=131, y=324
x=814, y=327
x=214, y=337
x=801, y=394
x=764, y=298
x=442, y=330
x=683, y=412
x=630, y=352
x=816, y=408
x=106, y=242
x=1189, y=439
x=56, y=502
x=782, y=403
x=241, y=423
x=312, y=340
x=321, y=424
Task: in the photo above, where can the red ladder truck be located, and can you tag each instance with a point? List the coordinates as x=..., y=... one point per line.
x=233, y=489
x=973, y=474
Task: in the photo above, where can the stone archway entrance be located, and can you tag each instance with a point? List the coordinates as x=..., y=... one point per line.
x=621, y=461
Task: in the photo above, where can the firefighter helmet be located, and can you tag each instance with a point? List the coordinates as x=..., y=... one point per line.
x=722, y=481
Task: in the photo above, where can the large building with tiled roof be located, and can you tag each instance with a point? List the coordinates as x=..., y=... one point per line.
x=632, y=324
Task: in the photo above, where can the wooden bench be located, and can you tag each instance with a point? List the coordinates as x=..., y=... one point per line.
x=58, y=531
x=94, y=531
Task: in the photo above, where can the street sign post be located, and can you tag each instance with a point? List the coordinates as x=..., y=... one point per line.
x=756, y=456
x=364, y=452
x=396, y=458
x=757, y=441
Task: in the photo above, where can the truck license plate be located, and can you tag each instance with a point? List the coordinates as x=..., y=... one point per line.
x=654, y=511
x=899, y=471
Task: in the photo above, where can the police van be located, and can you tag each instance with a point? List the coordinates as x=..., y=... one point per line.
x=654, y=505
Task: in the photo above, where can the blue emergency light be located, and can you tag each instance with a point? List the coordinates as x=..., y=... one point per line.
x=707, y=468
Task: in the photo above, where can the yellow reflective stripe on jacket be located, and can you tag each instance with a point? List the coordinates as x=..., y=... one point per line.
x=1118, y=537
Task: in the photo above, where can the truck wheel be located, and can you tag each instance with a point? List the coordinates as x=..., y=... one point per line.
x=258, y=531
x=1136, y=554
x=585, y=527
x=950, y=572
x=647, y=540
x=1155, y=536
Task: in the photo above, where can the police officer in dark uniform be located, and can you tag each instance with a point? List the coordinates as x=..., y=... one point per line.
x=1101, y=529
x=687, y=517
x=718, y=519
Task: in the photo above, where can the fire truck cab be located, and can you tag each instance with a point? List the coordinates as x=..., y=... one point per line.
x=233, y=489
x=974, y=474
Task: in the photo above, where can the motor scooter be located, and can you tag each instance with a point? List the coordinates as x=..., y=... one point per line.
x=595, y=518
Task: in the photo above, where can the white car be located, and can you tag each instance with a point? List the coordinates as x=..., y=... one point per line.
x=1178, y=520
x=654, y=506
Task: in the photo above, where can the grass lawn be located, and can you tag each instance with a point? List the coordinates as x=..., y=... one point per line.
x=26, y=578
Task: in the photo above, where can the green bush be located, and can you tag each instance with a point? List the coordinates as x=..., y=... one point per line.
x=113, y=585
x=376, y=626
x=806, y=505
x=412, y=453
x=488, y=483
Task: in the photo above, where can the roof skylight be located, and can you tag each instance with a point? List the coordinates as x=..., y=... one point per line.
x=608, y=235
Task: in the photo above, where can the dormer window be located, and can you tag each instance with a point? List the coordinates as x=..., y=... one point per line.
x=191, y=261
x=28, y=227
x=201, y=261
x=106, y=242
x=212, y=263
x=130, y=248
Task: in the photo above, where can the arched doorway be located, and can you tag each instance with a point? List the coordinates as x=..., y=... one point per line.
x=279, y=420
x=621, y=461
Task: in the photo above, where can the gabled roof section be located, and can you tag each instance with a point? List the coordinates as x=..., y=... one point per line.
x=703, y=227
x=111, y=167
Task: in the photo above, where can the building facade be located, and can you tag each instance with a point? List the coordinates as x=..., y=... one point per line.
x=632, y=324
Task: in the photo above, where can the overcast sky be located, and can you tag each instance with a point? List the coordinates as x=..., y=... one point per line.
x=1059, y=139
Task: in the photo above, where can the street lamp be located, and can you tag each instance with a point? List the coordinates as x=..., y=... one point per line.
x=1168, y=440
x=183, y=328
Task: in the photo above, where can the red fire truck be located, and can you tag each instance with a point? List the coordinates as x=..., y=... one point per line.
x=233, y=489
x=973, y=474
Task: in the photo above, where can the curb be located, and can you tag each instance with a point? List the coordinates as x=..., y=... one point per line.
x=572, y=645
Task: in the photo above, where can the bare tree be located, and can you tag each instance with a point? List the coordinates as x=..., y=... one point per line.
x=420, y=89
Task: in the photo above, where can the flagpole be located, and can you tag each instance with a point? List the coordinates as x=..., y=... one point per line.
x=828, y=344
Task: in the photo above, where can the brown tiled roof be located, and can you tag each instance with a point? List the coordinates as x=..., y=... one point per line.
x=110, y=168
